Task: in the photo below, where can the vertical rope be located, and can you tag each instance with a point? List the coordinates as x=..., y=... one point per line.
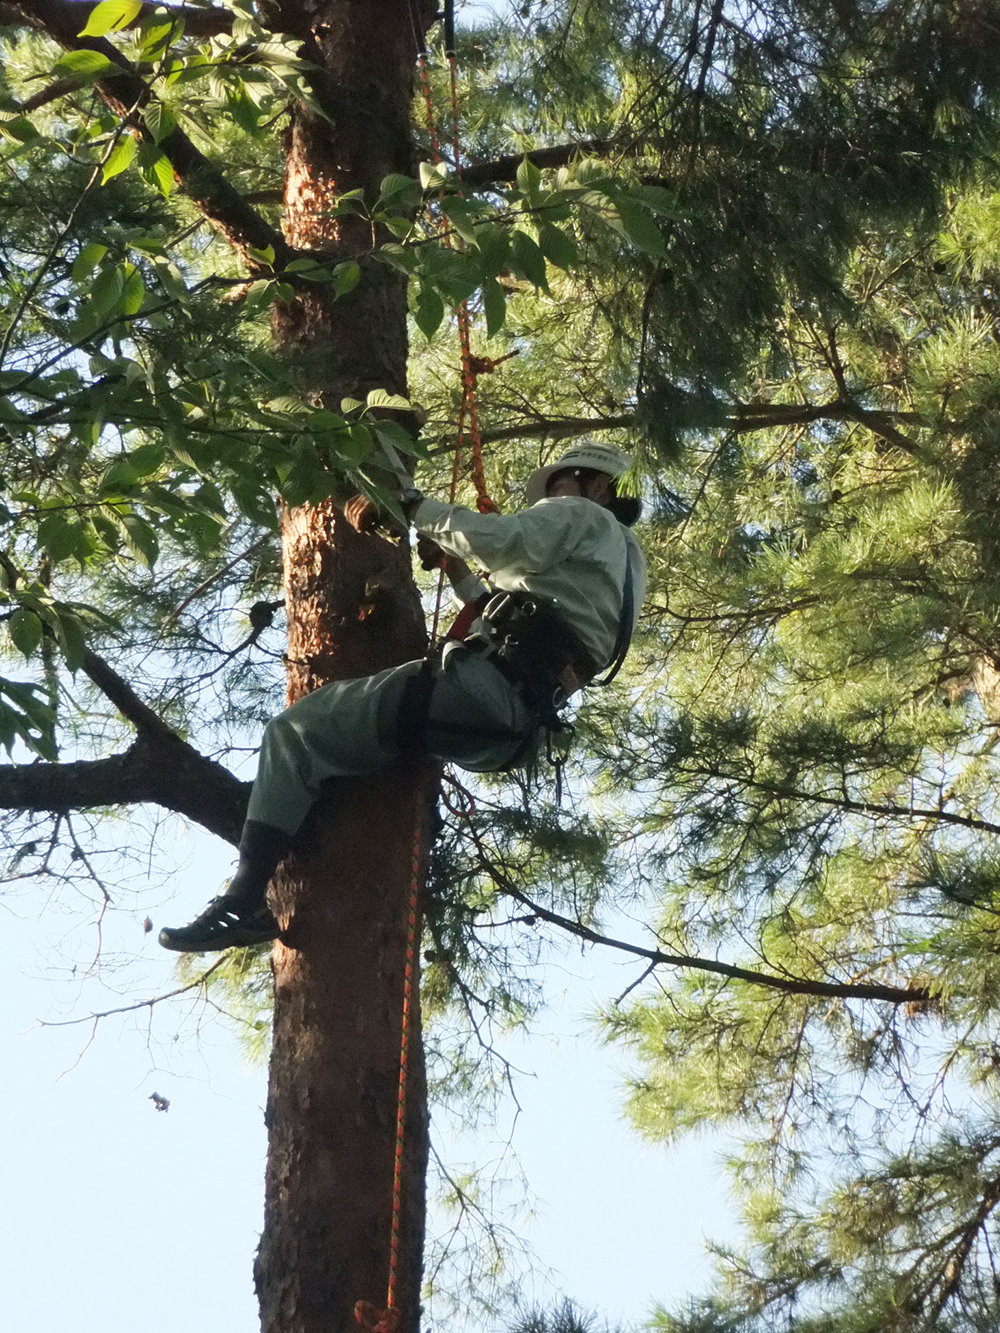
x=404, y=1051
x=366, y=1314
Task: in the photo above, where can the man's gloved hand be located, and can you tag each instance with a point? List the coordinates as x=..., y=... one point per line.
x=429, y=554
x=364, y=515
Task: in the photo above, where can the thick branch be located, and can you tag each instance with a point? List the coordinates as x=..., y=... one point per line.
x=743, y=417
x=127, y=94
x=505, y=168
x=169, y=773
x=159, y=767
x=557, y=427
x=843, y=990
x=198, y=22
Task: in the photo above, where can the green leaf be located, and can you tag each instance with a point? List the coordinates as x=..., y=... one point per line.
x=159, y=120
x=32, y=718
x=106, y=291
x=345, y=278
x=557, y=247
x=154, y=35
x=257, y=506
x=110, y=16
x=243, y=111
x=528, y=260
x=86, y=65
x=120, y=159
x=380, y=398
x=134, y=291
x=72, y=640
x=141, y=538
x=87, y=260
x=429, y=312
x=147, y=459
x=529, y=180
x=171, y=279
x=349, y=405
x=399, y=226
x=120, y=478
x=395, y=435
x=461, y=217
x=640, y=227
x=433, y=175
x=58, y=537
x=25, y=630
x=656, y=199
x=20, y=129
x=156, y=169
x=400, y=191
x=494, y=247
x=354, y=444
x=495, y=306
x=454, y=274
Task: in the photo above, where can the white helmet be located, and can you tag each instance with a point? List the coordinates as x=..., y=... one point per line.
x=589, y=454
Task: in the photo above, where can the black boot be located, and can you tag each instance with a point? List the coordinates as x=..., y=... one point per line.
x=240, y=916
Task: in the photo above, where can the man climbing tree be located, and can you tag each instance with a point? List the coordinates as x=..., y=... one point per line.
x=572, y=579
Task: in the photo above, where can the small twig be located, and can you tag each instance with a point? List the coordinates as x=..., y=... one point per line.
x=140, y=1004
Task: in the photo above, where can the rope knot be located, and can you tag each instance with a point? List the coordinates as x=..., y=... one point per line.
x=375, y=1320
x=485, y=365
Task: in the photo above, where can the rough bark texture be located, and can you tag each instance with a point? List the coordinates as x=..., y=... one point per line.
x=335, y=1068
x=352, y=610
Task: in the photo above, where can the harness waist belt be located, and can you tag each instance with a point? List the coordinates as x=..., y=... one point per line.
x=531, y=644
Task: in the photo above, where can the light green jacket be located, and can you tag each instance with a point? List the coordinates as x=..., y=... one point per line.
x=566, y=550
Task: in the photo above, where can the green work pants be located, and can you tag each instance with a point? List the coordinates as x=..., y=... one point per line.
x=477, y=719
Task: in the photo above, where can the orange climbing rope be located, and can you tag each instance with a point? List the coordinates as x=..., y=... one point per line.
x=368, y=1315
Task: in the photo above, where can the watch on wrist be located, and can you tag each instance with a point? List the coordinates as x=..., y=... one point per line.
x=409, y=500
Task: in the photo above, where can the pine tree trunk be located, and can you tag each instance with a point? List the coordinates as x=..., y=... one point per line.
x=352, y=610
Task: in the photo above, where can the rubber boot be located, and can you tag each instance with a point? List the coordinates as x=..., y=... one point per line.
x=240, y=916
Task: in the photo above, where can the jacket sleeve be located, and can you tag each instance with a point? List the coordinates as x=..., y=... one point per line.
x=528, y=542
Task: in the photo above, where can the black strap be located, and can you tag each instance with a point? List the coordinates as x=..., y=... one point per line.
x=449, y=29
x=414, y=707
x=625, y=624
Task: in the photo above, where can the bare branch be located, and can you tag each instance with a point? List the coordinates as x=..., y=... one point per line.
x=843, y=990
x=125, y=698
x=165, y=772
x=139, y=1004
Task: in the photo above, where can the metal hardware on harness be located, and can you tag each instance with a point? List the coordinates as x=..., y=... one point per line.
x=537, y=647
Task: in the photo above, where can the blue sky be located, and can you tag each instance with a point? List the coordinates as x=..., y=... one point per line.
x=116, y=1215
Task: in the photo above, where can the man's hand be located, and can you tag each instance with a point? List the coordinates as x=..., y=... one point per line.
x=429, y=554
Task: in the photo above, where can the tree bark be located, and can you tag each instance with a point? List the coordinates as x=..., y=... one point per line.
x=352, y=610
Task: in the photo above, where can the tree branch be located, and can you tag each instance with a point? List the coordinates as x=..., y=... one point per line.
x=139, y=1004
x=743, y=417
x=505, y=168
x=125, y=699
x=843, y=990
x=127, y=94
x=159, y=767
x=169, y=773
x=198, y=21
